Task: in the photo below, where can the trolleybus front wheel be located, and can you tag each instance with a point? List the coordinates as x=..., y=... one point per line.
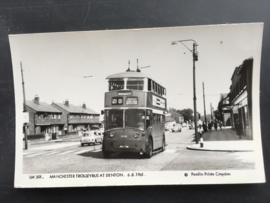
x=106, y=154
x=149, y=153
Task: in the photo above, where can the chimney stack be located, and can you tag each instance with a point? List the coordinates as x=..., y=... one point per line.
x=36, y=99
x=67, y=102
x=84, y=105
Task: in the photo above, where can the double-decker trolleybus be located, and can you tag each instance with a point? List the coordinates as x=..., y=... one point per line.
x=134, y=114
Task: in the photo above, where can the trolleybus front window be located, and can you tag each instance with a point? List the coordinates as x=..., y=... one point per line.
x=114, y=119
x=135, y=119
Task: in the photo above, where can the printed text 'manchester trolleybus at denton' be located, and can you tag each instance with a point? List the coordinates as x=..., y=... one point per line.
x=134, y=114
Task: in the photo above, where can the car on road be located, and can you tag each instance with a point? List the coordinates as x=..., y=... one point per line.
x=91, y=137
x=184, y=125
x=176, y=127
x=167, y=127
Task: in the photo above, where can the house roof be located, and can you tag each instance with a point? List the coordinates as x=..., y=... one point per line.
x=75, y=109
x=41, y=107
x=129, y=74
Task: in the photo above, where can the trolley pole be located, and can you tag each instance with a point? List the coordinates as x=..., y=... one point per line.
x=24, y=110
x=205, y=120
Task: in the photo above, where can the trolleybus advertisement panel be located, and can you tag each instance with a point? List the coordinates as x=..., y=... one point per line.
x=179, y=105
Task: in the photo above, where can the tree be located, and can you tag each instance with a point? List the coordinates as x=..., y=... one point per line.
x=187, y=113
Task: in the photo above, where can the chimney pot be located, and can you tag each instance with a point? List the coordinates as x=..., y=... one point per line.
x=36, y=99
x=67, y=103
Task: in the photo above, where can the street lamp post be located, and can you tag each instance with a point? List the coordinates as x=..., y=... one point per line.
x=195, y=58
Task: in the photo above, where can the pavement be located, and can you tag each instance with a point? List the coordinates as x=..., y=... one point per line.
x=224, y=140
x=65, y=138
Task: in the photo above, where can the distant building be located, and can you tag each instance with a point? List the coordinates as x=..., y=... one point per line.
x=43, y=118
x=224, y=109
x=179, y=118
x=77, y=118
x=241, y=97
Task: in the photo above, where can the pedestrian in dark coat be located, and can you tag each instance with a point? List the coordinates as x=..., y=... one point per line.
x=239, y=128
x=204, y=127
x=220, y=124
x=215, y=125
x=209, y=126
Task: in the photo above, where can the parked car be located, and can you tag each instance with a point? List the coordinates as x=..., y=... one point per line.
x=184, y=125
x=167, y=128
x=176, y=127
x=91, y=137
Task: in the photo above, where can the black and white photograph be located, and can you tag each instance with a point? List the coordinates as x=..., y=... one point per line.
x=152, y=106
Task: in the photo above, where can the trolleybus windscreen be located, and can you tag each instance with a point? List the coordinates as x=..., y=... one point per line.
x=114, y=119
x=135, y=119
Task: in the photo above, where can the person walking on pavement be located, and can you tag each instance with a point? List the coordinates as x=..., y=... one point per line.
x=239, y=128
x=220, y=124
x=210, y=126
x=215, y=124
x=204, y=127
x=200, y=123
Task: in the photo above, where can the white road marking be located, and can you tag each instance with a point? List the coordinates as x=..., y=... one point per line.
x=36, y=154
x=55, y=152
x=82, y=151
x=170, y=151
x=97, y=150
x=66, y=152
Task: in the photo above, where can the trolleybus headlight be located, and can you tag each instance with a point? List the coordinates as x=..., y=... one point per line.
x=136, y=134
x=112, y=134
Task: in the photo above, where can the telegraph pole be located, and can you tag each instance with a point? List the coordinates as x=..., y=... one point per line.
x=24, y=110
x=205, y=120
x=195, y=58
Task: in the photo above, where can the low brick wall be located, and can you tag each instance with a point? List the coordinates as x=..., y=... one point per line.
x=36, y=137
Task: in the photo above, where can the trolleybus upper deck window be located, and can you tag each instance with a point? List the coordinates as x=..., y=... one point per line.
x=116, y=85
x=135, y=84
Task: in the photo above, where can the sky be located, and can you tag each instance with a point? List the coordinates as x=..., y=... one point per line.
x=55, y=64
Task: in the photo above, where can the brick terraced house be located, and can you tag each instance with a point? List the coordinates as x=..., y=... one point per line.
x=43, y=118
x=77, y=118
